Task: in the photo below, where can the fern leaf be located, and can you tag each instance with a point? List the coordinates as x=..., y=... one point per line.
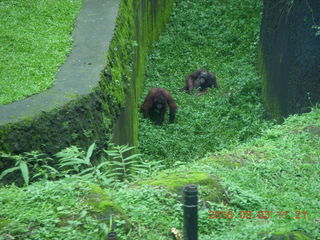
x=132, y=156
x=89, y=152
x=25, y=172
x=7, y=171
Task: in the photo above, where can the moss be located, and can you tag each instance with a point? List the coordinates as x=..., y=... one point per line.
x=101, y=201
x=286, y=236
x=229, y=161
x=209, y=187
x=104, y=207
x=314, y=130
x=4, y=223
x=138, y=26
x=270, y=102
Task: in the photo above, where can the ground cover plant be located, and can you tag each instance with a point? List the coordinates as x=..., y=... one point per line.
x=34, y=41
x=222, y=37
x=277, y=173
x=262, y=168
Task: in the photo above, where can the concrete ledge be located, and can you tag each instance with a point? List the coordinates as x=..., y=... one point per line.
x=96, y=92
x=70, y=112
x=81, y=71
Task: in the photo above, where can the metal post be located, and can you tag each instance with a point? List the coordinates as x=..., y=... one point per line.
x=112, y=236
x=190, y=210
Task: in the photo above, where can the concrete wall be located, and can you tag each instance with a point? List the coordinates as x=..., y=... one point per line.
x=148, y=20
x=94, y=99
x=290, y=56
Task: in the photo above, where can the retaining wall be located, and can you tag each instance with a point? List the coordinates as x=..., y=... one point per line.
x=290, y=56
x=94, y=97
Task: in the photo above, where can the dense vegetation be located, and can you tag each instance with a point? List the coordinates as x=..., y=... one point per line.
x=222, y=38
x=252, y=166
x=277, y=172
x=34, y=41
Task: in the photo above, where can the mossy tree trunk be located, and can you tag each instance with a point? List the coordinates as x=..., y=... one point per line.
x=290, y=56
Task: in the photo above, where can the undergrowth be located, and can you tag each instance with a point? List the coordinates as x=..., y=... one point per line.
x=278, y=174
x=34, y=41
x=222, y=37
x=274, y=170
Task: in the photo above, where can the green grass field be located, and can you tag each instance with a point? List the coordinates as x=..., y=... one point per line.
x=34, y=41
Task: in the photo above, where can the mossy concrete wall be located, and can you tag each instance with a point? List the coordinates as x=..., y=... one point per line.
x=290, y=56
x=138, y=27
x=70, y=112
x=94, y=99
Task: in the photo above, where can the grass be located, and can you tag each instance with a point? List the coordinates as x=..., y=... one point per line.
x=279, y=172
x=221, y=37
x=260, y=166
x=51, y=210
x=34, y=41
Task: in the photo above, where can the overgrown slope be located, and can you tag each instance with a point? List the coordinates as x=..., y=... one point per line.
x=268, y=184
x=277, y=174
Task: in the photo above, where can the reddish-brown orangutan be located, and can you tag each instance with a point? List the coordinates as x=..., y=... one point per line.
x=155, y=105
x=200, y=79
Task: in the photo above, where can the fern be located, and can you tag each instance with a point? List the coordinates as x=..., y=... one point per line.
x=123, y=168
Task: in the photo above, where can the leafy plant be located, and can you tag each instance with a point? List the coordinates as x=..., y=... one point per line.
x=32, y=165
x=20, y=164
x=123, y=168
x=74, y=161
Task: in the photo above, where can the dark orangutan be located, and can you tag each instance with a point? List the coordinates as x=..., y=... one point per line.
x=155, y=105
x=200, y=79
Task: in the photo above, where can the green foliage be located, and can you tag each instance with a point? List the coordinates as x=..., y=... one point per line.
x=34, y=163
x=123, y=168
x=34, y=41
x=222, y=38
x=20, y=165
x=74, y=161
x=279, y=173
x=152, y=210
x=50, y=210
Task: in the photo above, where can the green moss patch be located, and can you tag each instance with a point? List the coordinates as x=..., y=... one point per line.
x=105, y=208
x=287, y=236
x=208, y=184
x=227, y=160
x=102, y=202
